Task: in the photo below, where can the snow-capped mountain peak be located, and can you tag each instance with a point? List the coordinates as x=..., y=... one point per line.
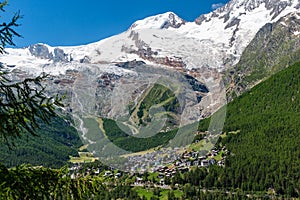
x=202, y=49
x=235, y=8
x=161, y=21
x=215, y=40
x=275, y=6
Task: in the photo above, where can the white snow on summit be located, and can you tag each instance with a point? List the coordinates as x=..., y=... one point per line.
x=158, y=21
x=214, y=40
x=236, y=23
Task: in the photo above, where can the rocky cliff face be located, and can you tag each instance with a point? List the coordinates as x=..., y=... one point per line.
x=42, y=51
x=275, y=46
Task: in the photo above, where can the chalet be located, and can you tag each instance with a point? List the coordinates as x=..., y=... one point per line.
x=177, y=163
x=107, y=173
x=196, y=163
x=161, y=181
x=118, y=175
x=188, y=164
x=202, y=158
x=220, y=163
x=139, y=180
x=73, y=176
x=97, y=171
x=194, y=154
x=204, y=163
x=186, y=156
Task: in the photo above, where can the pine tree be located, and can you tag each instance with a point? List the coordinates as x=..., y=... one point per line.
x=22, y=103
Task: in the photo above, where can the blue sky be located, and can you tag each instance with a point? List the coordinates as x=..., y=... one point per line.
x=65, y=22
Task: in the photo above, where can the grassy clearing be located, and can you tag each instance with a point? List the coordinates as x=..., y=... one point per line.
x=140, y=153
x=196, y=146
x=84, y=157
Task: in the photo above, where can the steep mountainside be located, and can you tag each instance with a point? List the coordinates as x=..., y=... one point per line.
x=52, y=147
x=267, y=145
x=262, y=136
x=275, y=46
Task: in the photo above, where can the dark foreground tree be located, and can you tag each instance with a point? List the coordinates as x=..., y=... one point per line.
x=22, y=103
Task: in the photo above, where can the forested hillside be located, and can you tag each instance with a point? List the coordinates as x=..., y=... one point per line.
x=264, y=139
x=52, y=146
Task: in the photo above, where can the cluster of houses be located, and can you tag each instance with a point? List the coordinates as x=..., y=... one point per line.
x=111, y=174
x=151, y=161
x=186, y=161
x=155, y=160
x=78, y=170
x=194, y=159
x=165, y=162
x=190, y=159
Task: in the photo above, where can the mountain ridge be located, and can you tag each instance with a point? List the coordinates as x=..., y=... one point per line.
x=227, y=31
x=204, y=49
